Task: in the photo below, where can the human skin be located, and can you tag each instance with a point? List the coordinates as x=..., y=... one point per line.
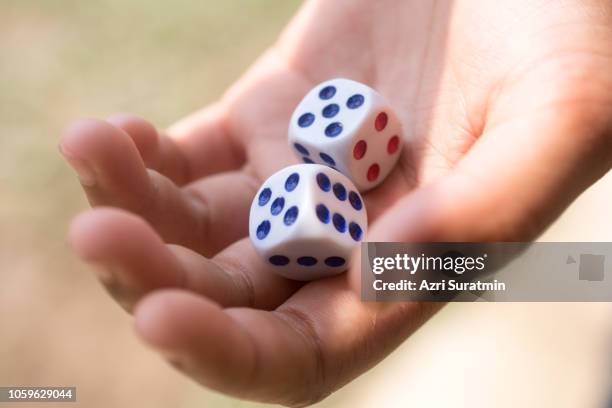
x=507, y=108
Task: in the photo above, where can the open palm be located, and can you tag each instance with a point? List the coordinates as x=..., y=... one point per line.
x=506, y=108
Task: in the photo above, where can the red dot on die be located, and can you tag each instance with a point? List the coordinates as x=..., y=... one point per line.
x=373, y=172
x=360, y=149
x=381, y=121
x=393, y=144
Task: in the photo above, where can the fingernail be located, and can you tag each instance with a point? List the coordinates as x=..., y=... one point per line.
x=104, y=275
x=178, y=364
x=84, y=171
x=177, y=361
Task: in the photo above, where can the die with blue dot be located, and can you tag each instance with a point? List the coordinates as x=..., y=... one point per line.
x=350, y=127
x=305, y=221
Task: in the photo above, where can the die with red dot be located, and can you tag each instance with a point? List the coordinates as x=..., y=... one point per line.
x=305, y=221
x=350, y=127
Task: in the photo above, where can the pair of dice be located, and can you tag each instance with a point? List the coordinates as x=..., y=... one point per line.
x=306, y=219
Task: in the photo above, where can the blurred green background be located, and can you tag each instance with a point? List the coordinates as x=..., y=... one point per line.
x=64, y=59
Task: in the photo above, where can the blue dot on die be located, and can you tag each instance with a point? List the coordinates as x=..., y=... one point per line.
x=307, y=260
x=306, y=120
x=277, y=206
x=339, y=222
x=340, y=191
x=278, y=260
x=263, y=229
x=292, y=182
x=355, y=231
x=328, y=92
x=330, y=110
x=355, y=101
x=264, y=196
x=334, y=261
x=291, y=215
x=307, y=160
x=355, y=200
x=322, y=213
x=301, y=149
x=333, y=129
x=323, y=182
x=327, y=159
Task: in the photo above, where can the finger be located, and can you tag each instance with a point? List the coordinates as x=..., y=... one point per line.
x=206, y=142
x=113, y=174
x=101, y=153
x=225, y=200
x=294, y=356
x=141, y=262
x=197, y=336
x=158, y=152
x=116, y=176
x=242, y=352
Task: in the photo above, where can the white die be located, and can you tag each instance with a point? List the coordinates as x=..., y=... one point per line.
x=305, y=221
x=349, y=126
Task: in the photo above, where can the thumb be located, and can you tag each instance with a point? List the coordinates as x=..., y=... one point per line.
x=512, y=184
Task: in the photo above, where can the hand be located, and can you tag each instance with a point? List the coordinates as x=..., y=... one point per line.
x=507, y=108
